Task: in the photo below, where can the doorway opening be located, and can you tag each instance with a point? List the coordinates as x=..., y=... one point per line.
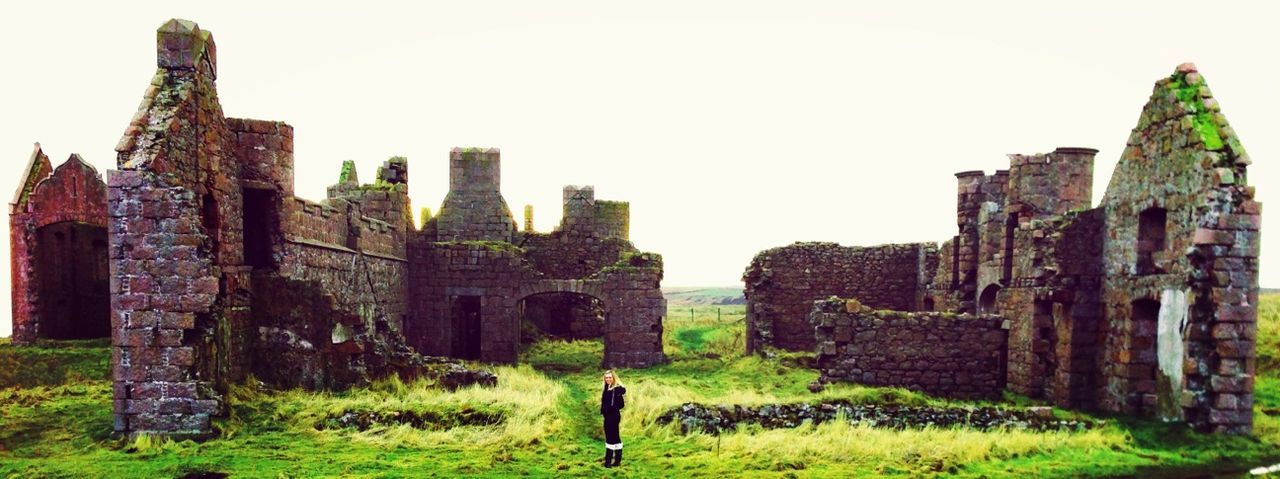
x=74, y=292
x=464, y=317
x=260, y=220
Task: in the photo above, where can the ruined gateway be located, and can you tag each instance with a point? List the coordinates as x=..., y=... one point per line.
x=203, y=267
x=1145, y=304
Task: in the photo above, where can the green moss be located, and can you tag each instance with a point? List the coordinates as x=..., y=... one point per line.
x=496, y=246
x=348, y=174
x=1191, y=97
x=32, y=178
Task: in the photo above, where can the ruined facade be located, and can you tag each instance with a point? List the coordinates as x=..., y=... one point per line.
x=199, y=262
x=58, y=235
x=1145, y=304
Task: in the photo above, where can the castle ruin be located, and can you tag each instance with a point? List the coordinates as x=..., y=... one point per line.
x=199, y=262
x=1144, y=305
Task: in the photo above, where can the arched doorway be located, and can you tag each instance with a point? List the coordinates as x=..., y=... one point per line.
x=987, y=300
x=73, y=276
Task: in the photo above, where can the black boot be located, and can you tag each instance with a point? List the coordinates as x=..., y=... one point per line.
x=608, y=458
x=617, y=458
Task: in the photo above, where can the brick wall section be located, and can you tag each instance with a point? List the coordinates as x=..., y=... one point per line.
x=162, y=279
x=782, y=283
x=264, y=150
x=444, y=271
x=176, y=235
x=941, y=354
x=22, y=259
x=72, y=192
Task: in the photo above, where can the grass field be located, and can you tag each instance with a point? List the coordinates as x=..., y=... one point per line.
x=55, y=420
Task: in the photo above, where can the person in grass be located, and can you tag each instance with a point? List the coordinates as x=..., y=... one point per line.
x=611, y=402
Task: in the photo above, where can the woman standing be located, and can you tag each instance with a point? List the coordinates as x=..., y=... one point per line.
x=611, y=402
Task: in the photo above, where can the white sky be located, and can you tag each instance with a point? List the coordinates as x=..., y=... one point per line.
x=731, y=127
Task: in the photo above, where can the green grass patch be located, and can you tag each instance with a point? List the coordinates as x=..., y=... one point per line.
x=550, y=424
x=54, y=362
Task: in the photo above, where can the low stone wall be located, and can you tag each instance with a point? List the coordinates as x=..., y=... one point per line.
x=943, y=354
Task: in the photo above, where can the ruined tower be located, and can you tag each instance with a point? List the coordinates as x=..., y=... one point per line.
x=474, y=209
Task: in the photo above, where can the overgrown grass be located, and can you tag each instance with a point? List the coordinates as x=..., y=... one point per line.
x=55, y=421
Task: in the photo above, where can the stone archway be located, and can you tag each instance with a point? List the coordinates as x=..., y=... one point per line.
x=987, y=300
x=633, y=313
x=58, y=235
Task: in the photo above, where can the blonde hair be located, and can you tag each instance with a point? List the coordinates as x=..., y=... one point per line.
x=617, y=380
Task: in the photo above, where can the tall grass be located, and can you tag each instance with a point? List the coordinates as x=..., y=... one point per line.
x=61, y=426
x=525, y=398
x=920, y=450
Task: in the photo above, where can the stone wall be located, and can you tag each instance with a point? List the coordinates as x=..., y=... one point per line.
x=474, y=209
x=264, y=150
x=1054, y=307
x=465, y=299
x=1181, y=286
x=176, y=242
x=585, y=216
x=59, y=280
x=564, y=255
x=942, y=354
x=164, y=283
x=782, y=283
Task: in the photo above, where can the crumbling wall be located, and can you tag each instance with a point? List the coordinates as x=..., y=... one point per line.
x=1054, y=307
x=975, y=192
x=59, y=280
x=386, y=199
x=562, y=255
x=942, y=354
x=1181, y=287
x=465, y=301
x=782, y=283
x=175, y=240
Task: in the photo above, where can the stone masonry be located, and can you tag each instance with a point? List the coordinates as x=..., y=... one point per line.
x=58, y=234
x=939, y=353
x=782, y=283
x=480, y=282
x=199, y=262
x=1145, y=304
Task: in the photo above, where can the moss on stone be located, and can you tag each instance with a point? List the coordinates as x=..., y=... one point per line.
x=1192, y=95
x=496, y=246
x=348, y=173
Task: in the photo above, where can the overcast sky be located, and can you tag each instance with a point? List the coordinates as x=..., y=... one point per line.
x=731, y=127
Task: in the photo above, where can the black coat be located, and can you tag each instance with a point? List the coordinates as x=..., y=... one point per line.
x=612, y=400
